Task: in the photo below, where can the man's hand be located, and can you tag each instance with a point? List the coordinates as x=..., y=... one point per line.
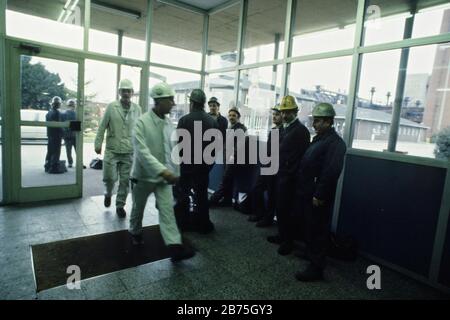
x=98, y=150
x=169, y=177
x=318, y=202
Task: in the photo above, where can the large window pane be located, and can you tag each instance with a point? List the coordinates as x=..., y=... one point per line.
x=111, y=20
x=57, y=22
x=176, y=33
x=182, y=82
x=264, y=34
x=221, y=86
x=385, y=20
x=418, y=84
x=259, y=91
x=41, y=80
x=222, y=38
x=100, y=89
x=317, y=81
x=43, y=148
x=322, y=25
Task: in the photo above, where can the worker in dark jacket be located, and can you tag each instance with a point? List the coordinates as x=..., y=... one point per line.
x=223, y=195
x=55, y=136
x=261, y=213
x=316, y=186
x=69, y=135
x=195, y=176
x=222, y=122
x=294, y=142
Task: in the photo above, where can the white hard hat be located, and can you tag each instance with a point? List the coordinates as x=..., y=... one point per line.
x=126, y=84
x=162, y=90
x=56, y=99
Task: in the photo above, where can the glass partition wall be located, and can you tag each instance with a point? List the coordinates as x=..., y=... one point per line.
x=383, y=64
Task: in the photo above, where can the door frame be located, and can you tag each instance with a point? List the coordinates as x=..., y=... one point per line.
x=15, y=192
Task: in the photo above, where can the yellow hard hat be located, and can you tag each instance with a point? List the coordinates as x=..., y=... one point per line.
x=288, y=103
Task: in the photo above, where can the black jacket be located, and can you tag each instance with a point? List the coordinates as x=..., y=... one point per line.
x=222, y=123
x=239, y=145
x=321, y=167
x=54, y=115
x=294, y=142
x=187, y=122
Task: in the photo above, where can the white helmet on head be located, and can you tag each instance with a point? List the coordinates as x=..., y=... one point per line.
x=162, y=90
x=125, y=84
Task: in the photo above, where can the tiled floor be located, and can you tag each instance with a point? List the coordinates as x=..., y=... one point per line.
x=235, y=262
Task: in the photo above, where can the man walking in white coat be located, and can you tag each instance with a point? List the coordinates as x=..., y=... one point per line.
x=154, y=172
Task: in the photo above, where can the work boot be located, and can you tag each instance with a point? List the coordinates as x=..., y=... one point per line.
x=121, y=213
x=137, y=239
x=301, y=254
x=205, y=228
x=180, y=252
x=107, y=201
x=274, y=239
x=311, y=273
x=285, y=248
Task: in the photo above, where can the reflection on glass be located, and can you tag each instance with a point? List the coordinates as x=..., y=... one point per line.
x=221, y=86
x=41, y=80
x=259, y=91
x=322, y=25
x=222, y=38
x=176, y=33
x=111, y=20
x=100, y=89
x=317, y=81
x=264, y=32
x=52, y=21
x=35, y=151
x=182, y=82
x=422, y=97
x=386, y=21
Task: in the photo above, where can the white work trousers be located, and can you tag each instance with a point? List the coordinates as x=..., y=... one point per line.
x=117, y=166
x=141, y=190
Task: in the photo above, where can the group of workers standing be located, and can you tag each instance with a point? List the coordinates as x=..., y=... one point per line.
x=301, y=194
x=55, y=136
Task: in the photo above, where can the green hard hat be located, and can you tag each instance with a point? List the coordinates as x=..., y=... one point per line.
x=197, y=95
x=324, y=110
x=162, y=90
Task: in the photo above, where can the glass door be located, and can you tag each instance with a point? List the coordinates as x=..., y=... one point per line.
x=46, y=110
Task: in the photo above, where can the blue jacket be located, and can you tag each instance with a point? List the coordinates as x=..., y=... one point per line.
x=54, y=115
x=321, y=167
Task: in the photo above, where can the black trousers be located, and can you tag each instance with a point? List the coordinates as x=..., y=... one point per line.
x=317, y=231
x=53, y=153
x=259, y=208
x=287, y=217
x=225, y=189
x=69, y=143
x=196, y=185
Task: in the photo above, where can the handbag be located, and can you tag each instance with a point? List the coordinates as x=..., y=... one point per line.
x=96, y=164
